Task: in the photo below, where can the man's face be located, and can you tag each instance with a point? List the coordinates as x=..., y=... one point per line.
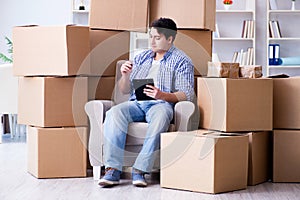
x=159, y=43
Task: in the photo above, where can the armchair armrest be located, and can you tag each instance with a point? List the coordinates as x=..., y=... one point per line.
x=183, y=112
x=96, y=110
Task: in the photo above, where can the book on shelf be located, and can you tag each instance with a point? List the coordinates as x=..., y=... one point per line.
x=244, y=32
x=216, y=33
x=244, y=57
x=274, y=29
x=251, y=29
x=277, y=29
x=248, y=29
x=273, y=5
x=234, y=57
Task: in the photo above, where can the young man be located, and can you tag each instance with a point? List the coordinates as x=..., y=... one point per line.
x=173, y=74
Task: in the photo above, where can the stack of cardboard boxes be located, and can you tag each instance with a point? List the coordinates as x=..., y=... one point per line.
x=60, y=68
x=286, y=134
x=52, y=95
x=235, y=124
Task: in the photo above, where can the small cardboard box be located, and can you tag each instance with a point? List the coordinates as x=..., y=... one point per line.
x=107, y=47
x=189, y=14
x=128, y=15
x=51, y=50
x=233, y=105
x=260, y=157
x=197, y=44
x=286, y=153
x=101, y=88
x=223, y=70
x=57, y=152
x=251, y=71
x=52, y=102
x=203, y=161
x=286, y=103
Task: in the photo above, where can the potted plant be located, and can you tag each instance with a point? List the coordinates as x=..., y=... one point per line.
x=227, y=4
x=81, y=6
x=5, y=58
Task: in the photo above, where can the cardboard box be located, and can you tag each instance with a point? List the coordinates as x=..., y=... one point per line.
x=233, y=105
x=129, y=15
x=260, y=157
x=101, y=88
x=197, y=44
x=286, y=103
x=286, y=155
x=57, y=152
x=107, y=47
x=52, y=102
x=210, y=163
x=189, y=14
x=51, y=50
x=251, y=71
x=223, y=70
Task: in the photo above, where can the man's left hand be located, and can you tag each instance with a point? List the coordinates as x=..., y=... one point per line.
x=153, y=92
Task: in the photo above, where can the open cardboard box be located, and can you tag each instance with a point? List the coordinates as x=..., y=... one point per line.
x=204, y=161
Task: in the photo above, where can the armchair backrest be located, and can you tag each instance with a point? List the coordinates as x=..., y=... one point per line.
x=119, y=97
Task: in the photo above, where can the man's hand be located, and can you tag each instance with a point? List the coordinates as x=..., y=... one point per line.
x=126, y=68
x=153, y=92
x=156, y=93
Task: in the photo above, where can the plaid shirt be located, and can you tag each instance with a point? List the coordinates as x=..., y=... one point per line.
x=176, y=72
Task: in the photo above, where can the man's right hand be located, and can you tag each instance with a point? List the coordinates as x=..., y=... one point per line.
x=126, y=68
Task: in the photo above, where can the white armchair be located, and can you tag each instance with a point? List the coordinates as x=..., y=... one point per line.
x=96, y=110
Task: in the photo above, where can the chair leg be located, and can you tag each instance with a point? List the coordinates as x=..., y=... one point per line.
x=96, y=172
x=12, y=125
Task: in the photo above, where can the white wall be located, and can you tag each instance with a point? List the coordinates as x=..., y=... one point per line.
x=261, y=34
x=41, y=12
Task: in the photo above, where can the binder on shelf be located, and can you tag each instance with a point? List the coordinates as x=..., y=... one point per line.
x=274, y=50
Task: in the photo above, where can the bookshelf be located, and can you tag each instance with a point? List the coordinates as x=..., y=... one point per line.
x=138, y=43
x=80, y=17
x=233, y=34
x=289, y=39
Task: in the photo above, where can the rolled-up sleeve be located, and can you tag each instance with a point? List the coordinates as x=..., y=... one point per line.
x=184, y=79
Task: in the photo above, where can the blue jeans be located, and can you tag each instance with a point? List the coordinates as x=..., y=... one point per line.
x=158, y=115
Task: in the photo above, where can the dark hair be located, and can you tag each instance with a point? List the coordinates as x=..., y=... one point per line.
x=165, y=26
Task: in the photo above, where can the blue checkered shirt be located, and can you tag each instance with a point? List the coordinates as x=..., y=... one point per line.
x=176, y=72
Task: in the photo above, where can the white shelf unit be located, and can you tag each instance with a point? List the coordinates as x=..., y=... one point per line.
x=230, y=26
x=80, y=17
x=289, y=42
x=138, y=43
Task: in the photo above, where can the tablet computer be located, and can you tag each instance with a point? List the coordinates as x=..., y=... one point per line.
x=139, y=85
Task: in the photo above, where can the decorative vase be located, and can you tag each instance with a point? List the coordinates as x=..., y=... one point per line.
x=227, y=6
x=293, y=5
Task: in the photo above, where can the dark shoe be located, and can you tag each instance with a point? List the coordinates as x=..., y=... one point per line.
x=111, y=177
x=138, y=178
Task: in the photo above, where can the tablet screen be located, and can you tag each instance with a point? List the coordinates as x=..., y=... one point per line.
x=139, y=85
